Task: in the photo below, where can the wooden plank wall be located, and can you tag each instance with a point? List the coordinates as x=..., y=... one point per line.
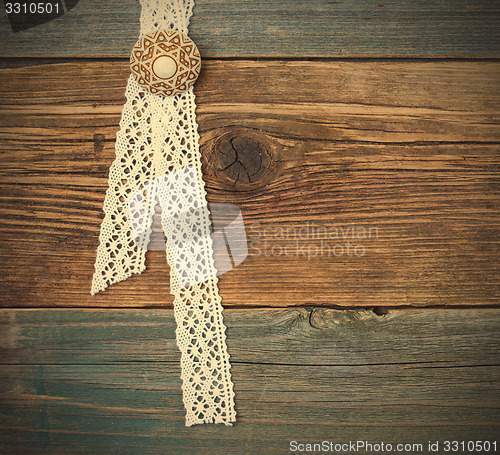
x=343, y=115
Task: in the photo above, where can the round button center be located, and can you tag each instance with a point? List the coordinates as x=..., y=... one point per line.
x=164, y=67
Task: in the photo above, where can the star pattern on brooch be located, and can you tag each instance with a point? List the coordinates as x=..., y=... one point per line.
x=165, y=62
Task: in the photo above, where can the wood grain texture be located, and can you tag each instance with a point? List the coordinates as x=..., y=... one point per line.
x=86, y=381
x=278, y=28
x=408, y=150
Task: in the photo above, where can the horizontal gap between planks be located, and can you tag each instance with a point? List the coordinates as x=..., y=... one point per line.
x=265, y=307
x=333, y=141
x=237, y=362
x=5, y=62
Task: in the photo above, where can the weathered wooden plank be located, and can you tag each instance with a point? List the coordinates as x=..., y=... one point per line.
x=391, y=150
x=409, y=150
x=299, y=336
x=388, y=102
x=77, y=381
x=316, y=28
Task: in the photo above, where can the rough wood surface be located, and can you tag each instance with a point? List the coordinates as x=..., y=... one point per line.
x=409, y=150
x=86, y=381
x=284, y=28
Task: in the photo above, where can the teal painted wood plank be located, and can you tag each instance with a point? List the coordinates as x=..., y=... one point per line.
x=278, y=28
x=299, y=336
x=137, y=408
x=84, y=381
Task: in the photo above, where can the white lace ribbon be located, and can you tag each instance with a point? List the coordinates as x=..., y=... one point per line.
x=158, y=162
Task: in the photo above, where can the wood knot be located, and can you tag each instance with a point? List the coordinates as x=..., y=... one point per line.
x=245, y=157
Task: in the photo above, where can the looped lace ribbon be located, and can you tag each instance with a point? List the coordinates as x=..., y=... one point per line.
x=158, y=161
